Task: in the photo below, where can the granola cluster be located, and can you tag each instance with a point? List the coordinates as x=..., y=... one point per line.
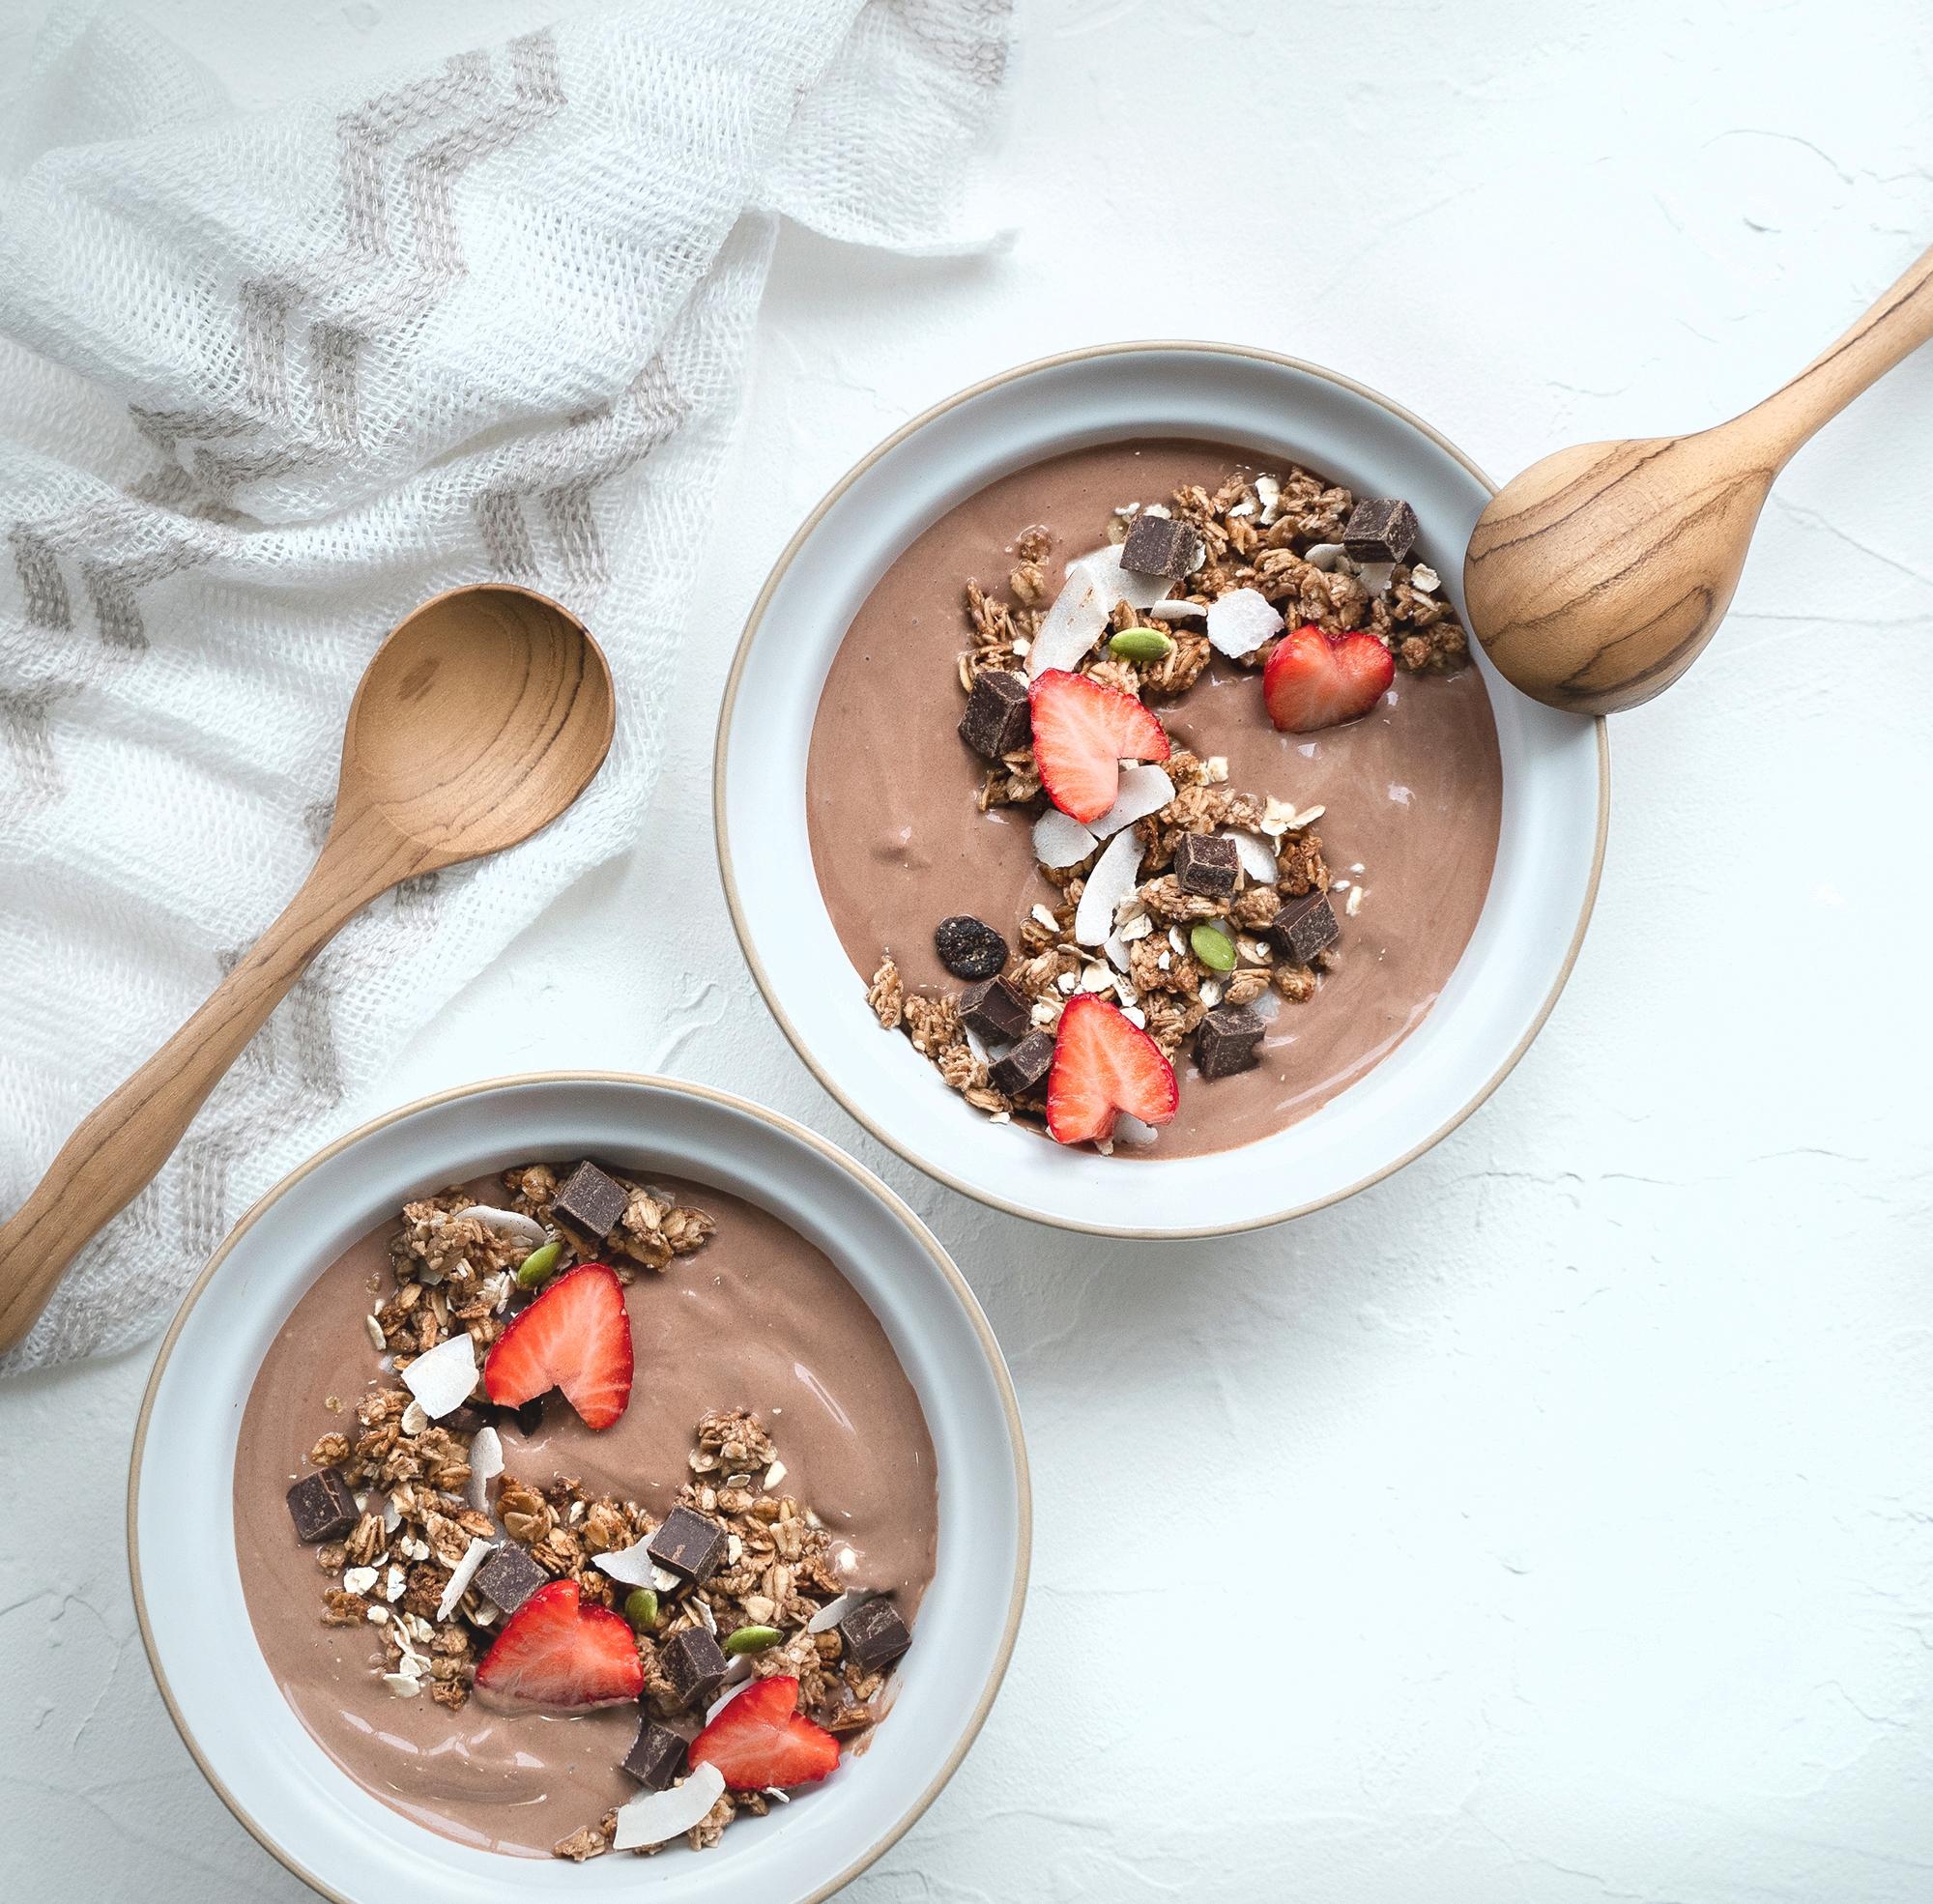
x=1277, y=535
x=424, y=1501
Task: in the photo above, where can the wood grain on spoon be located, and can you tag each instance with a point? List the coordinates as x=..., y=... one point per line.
x=1596, y=578
x=479, y=720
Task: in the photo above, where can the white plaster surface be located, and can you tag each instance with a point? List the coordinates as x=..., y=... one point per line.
x=1552, y=1522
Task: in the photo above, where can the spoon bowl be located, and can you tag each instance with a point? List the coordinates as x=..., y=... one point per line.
x=478, y=722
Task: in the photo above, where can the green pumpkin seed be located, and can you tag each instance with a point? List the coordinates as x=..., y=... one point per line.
x=539, y=1264
x=1213, y=947
x=752, y=1639
x=641, y=1608
x=1140, y=645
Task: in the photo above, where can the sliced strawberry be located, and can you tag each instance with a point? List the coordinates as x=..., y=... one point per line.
x=1082, y=731
x=1103, y=1063
x=558, y=1655
x=1315, y=680
x=760, y=1739
x=576, y=1337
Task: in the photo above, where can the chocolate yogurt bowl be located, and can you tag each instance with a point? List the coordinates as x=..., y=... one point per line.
x=773, y=1286
x=864, y=796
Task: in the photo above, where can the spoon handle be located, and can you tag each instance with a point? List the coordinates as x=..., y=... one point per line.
x=119, y=1145
x=1896, y=325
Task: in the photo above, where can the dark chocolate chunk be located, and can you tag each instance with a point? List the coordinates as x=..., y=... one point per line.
x=695, y=1664
x=1023, y=1070
x=995, y=1012
x=688, y=1544
x=1228, y=1041
x=1159, y=545
x=659, y=1756
x=1207, y=864
x=590, y=1201
x=530, y=1416
x=1380, y=529
x=510, y=1577
x=997, y=719
x=324, y=1506
x=970, y=947
x=1305, y=926
x=875, y=1634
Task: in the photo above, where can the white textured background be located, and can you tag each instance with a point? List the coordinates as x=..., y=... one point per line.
x=1554, y=1521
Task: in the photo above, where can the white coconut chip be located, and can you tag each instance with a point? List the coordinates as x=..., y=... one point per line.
x=633, y=1566
x=1145, y=790
x=1129, y=1129
x=506, y=1223
x=1267, y=1005
x=658, y=1817
x=834, y=1611
x=1240, y=621
x=392, y=1515
x=442, y=1378
x=1079, y=615
x=1116, y=949
x=359, y=1579
x=474, y=1557
x=1115, y=875
x=1180, y=610
x=1324, y=556
x=1254, y=859
x=1097, y=979
x=405, y=1685
x=487, y=1463
x=1269, y=491
x=1060, y=840
x=1245, y=508
x=1376, y=576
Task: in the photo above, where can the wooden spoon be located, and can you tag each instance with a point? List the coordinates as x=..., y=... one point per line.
x=479, y=720
x=1596, y=577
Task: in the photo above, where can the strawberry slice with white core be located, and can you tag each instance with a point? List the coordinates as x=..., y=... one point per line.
x=1314, y=681
x=575, y=1337
x=1105, y=1064
x=556, y=1655
x=1082, y=731
x=762, y=1740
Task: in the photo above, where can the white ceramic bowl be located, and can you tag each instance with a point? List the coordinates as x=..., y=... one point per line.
x=1556, y=795
x=187, y=1587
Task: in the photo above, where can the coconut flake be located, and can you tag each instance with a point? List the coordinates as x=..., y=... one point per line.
x=474, y=1557
x=834, y=1611
x=1180, y=610
x=1240, y=621
x=1269, y=490
x=1267, y=1005
x=1324, y=556
x=633, y=1566
x=506, y=1223
x=1060, y=840
x=1145, y=790
x=441, y=1378
x=658, y=1817
x=487, y=1463
x=1377, y=575
x=1131, y=1129
x=405, y=1685
x=1256, y=861
x=1115, y=875
x=1116, y=949
x=1079, y=612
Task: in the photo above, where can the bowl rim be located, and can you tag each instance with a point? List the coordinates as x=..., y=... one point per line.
x=979, y=1192
x=867, y=1182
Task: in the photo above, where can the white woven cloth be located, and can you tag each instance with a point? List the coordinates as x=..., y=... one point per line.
x=267, y=382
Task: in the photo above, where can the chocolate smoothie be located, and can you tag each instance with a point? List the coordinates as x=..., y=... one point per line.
x=757, y=1319
x=1412, y=791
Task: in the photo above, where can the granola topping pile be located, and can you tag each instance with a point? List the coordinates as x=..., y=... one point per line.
x=1196, y=944
x=428, y=1536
